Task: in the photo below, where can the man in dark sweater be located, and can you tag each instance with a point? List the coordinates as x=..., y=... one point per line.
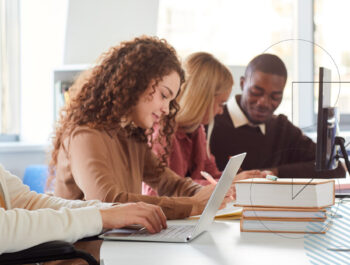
x=249, y=125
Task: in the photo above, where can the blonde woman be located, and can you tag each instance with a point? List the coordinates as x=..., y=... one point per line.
x=202, y=97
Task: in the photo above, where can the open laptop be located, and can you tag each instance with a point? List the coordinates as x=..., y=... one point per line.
x=185, y=233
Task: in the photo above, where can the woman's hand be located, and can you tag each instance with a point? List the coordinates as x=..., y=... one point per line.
x=147, y=215
x=200, y=199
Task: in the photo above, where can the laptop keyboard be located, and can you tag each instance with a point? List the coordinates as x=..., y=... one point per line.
x=173, y=231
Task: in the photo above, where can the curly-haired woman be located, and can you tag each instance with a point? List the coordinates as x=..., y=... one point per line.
x=102, y=143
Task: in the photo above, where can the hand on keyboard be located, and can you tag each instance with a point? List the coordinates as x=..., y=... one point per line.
x=147, y=215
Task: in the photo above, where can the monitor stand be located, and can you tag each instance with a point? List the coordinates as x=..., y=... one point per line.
x=340, y=141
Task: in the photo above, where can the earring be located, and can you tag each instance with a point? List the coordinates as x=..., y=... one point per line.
x=132, y=125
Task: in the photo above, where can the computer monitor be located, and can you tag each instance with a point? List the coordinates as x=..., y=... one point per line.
x=327, y=125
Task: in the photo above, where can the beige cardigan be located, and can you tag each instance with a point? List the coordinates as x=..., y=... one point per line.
x=95, y=164
x=27, y=220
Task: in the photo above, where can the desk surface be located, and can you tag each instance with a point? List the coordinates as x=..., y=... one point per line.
x=222, y=244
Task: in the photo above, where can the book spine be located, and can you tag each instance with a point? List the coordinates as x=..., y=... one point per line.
x=289, y=232
x=286, y=219
x=283, y=206
x=242, y=229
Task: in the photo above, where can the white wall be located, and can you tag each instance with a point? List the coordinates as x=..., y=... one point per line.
x=95, y=25
x=57, y=32
x=237, y=71
x=15, y=157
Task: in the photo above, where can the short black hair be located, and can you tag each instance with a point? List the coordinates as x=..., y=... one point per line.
x=267, y=63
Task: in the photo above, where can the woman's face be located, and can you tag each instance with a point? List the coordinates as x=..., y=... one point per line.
x=154, y=103
x=219, y=102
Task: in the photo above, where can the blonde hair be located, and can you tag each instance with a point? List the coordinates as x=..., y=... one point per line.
x=206, y=78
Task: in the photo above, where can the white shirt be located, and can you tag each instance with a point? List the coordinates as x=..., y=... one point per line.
x=31, y=219
x=239, y=118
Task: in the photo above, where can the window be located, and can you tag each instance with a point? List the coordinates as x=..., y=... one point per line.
x=234, y=31
x=9, y=70
x=43, y=25
x=331, y=18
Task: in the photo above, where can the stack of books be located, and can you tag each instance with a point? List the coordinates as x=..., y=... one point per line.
x=285, y=205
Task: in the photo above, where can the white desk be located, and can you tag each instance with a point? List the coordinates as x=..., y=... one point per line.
x=222, y=244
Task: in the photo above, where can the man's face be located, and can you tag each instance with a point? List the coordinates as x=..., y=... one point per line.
x=262, y=94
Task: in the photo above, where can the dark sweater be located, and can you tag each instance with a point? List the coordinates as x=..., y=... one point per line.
x=283, y=146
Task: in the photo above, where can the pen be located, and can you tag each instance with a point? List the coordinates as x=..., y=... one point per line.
x=208, y=177
x=270, y=177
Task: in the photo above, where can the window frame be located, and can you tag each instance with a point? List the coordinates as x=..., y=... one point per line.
x=10, y=69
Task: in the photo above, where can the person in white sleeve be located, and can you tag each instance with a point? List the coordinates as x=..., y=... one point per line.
x=28, y=219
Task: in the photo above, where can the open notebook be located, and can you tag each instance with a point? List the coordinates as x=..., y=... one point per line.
x=185, y=233
x=230, y=212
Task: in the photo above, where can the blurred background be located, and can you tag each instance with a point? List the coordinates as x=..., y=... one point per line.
x=44, y=44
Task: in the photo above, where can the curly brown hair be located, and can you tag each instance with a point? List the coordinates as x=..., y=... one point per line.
x=114, y=86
